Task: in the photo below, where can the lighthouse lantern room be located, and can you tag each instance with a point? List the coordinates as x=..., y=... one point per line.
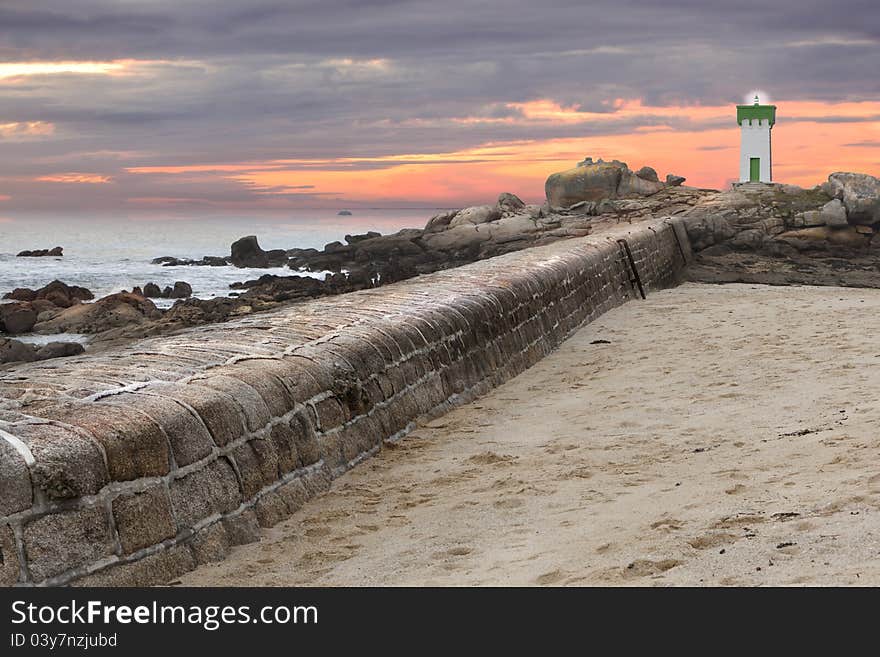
x=756, y=122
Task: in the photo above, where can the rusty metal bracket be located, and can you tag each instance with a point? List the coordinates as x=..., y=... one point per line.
x=636, y=280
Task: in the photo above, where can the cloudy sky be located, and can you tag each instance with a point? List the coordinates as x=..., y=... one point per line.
x=191, y=106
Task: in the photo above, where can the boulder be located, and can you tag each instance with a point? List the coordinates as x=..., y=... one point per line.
x=833, y=213
x=510, y=202
x=440, y=221
x=457, y=241
x=648, y=173
x=41, y=253
x=674, y=181
x=708, y=230
x=113, y=311
x=58, y=293
x=589, y=182
x=21, y=294
x=512, y=229
x=59, y=350
x=479, y=214
x=17, y=317
x=152, y=291
x=181, y=290
x=14, y=351
x=246, y=252
x=860, y=194
x=352, y=239
x=594, y=181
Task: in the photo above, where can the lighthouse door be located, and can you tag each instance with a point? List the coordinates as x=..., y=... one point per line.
x=754, y=169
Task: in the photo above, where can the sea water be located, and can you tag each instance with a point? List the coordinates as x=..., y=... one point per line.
x=110, y=255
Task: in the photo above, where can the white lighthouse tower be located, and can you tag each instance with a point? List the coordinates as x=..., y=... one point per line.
x=755, y=121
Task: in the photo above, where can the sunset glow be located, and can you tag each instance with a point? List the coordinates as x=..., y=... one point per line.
x=807, y=148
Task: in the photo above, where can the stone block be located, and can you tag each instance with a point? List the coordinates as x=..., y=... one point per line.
x=216, y=409
x=189, y=437
x=143, y=519
x=213, y=489
x=256, y=413
x=9, y=564
x=257, y=462
x=284, y=439
x=58, y=542
x=159, y=568
x=242, y=528
x=15, y=481
x=135, y=445
x=259, y=375
x=210, y=544
x=294, y=494
x=331, y=414
x=270, y=509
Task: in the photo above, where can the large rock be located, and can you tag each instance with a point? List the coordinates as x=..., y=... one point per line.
x=510, y=202
x=14, y=351
x=116, y=310
x=152, y=291
x=860, y=194
x=648, y=173
x=674, y=181
x=181, y=290
x=457, y=241
x=17, y=317
x=708, y=230
x=57, y=293
x=246, y=252
x=59, y=350
x=589, y=182
x=440, y=221
x=41, y=253
x=594, y=181
x=479, y=214
x=833, y=213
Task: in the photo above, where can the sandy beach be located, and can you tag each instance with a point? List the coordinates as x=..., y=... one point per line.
x=710, y=435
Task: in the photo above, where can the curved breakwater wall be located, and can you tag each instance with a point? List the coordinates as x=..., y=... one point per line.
x=134, y=465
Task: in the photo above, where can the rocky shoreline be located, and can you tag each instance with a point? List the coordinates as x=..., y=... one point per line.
x=761, y=233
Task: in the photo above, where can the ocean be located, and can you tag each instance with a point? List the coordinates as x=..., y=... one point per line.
x=107, y=256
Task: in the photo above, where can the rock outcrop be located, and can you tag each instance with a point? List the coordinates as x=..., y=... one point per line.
x=16, y=351
x=57, y=293
x=860, y=194
x=180, y=290
x=42, y=253
x=246, y=252
x=594, y=181
x=113, y=311
x=17, y=317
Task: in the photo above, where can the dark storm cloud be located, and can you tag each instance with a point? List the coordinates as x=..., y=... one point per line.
x=261, y=80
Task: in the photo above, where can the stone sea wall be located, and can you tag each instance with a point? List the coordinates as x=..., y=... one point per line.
x=134, y=465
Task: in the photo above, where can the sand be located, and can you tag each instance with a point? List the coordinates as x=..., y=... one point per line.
x=726, y=435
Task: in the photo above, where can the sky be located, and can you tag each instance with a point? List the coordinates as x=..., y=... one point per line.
x=184, y=107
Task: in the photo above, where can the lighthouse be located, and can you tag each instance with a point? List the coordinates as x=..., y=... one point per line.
x=755, y=122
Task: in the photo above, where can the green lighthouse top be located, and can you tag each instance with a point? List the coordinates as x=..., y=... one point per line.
x=756, y=112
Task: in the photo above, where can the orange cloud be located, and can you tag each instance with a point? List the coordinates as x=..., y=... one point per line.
x=86, y=178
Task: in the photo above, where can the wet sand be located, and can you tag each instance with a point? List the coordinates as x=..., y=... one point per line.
x=725, y=435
